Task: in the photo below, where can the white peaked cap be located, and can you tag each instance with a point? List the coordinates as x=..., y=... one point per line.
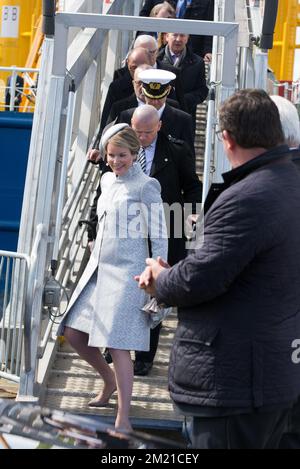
x=154, y=75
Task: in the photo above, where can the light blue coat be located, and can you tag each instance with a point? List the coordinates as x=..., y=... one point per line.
x=107, y=305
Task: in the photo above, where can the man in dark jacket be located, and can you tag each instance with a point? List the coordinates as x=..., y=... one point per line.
x=169, y=161
x=135, y=99
x=122, y=87
x=191, y=67
x=193, y=10
x=174, y=122
x=150, y=44
x=233, y=364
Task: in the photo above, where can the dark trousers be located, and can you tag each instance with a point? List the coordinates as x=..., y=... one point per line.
x=257, y=430
x=291, y=438
x=148, y=357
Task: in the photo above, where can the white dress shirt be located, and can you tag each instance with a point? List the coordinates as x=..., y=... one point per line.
x=161, y=110
x=150, y=152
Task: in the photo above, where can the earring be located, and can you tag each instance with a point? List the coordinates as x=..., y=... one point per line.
x=106, y=164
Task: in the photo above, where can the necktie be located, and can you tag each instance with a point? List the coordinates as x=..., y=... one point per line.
x=142, y=158
x=180, y=8
x=176, y=60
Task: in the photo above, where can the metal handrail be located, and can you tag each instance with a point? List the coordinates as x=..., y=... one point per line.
x=15, y=91
x=12, y=322
x=30, y=293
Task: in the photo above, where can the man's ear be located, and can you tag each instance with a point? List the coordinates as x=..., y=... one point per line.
x=159, y=126
x=228, y=140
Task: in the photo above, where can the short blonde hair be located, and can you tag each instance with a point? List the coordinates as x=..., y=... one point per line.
x=125, y=138
x=170, y=11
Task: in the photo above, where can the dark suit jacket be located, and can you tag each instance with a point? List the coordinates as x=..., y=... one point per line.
x=296, y=158
x=177, y=91
x=175, y=122
x=173, y=167
x=118, y=89
x=199, y=10
x=192, y=72
x=129, y=103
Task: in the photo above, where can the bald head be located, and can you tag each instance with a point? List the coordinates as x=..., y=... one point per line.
x=149, y=43
x=137, y=57
x=146, y=123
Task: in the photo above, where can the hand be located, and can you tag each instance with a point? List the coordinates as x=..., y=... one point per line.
x=91, y=245
x=93, y=155
x=144, y=278
x=147, y=278
x=190, y=225
x=208, y=58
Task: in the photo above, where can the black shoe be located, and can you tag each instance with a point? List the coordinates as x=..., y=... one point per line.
x=142, y=368
x=107, y=356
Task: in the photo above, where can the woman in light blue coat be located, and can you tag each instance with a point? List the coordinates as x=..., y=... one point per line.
x=106, y=307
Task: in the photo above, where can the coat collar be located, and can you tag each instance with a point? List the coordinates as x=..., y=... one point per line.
x=239, y=173
x=268, y=157
x=132, y=171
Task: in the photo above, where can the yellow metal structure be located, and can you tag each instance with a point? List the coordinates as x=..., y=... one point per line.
x=281, y=57
x=19, y=21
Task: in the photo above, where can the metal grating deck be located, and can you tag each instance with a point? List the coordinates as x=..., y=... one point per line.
x=73, y=383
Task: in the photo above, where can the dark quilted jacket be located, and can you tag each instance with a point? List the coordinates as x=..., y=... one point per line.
x=239, y=294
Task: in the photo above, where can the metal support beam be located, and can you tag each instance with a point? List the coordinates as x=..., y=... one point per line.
x=82, y=52
x=60, y=49
x=131, y=23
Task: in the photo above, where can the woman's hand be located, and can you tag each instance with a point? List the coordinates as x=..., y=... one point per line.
x=147, y=278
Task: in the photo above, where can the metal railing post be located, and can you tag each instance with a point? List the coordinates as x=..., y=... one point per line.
x=12, y=90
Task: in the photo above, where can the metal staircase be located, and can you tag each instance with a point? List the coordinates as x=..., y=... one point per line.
x=72, y=383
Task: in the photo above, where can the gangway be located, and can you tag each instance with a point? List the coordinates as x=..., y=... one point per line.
x=79, y=54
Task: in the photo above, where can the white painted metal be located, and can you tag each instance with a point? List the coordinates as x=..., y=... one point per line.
x=261, y=68
x=63, y=173
x=84, y=129
x=111, y=61
x=11, y=321
x=209, y=137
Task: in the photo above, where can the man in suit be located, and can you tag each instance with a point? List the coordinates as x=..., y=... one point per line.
x=170, y=161
x=135, y=99
x=156, y=87
x=122, y=87
x=193, y=10
x=150, y=44
x=191, y=67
